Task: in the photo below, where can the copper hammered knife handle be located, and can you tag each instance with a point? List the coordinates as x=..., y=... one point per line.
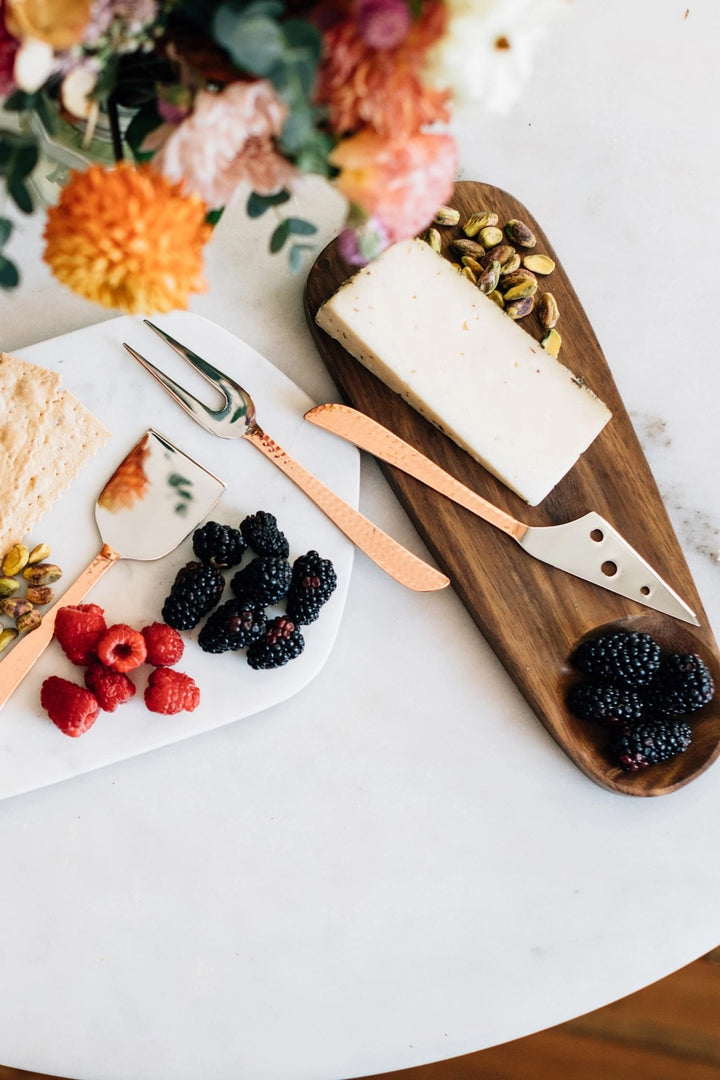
x=367, y=434
x=387, y=553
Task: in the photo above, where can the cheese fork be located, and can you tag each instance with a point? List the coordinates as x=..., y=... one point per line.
x=236, y=419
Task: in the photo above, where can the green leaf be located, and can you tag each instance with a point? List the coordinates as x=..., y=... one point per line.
x=5, y=230
x=20, y=194
x=145, y=120
x=9, y=276
x=296, y=257
x=278, y=238
x=300, y=227
x=20, y=101
x=213, y=216
x=258, y=204
x=253, y=39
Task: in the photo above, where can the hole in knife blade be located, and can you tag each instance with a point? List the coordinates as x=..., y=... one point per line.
x=597, y=535
x=644, y=590
x=609, y=569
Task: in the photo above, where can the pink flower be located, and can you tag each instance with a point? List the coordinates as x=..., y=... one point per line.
x=8, y=48
x=383, y=24
x=227, y=140
x=401, y=182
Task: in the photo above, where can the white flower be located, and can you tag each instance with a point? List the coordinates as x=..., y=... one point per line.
x=34, y=62
x=486, y=56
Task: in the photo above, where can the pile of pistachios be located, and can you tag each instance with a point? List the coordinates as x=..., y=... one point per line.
x=25, y=586
x=503, y=263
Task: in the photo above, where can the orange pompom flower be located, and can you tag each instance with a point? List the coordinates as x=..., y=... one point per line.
x=127, y=238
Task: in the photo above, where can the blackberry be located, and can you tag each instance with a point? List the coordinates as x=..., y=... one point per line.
x=260, y=532
x=196, y=589
x=640, y=745
x=627, y=657
x=218, y=544
x=281, y=642
x=232, y=626
x=266, y=579
x=609, y=704
x=313, y=581
x=682, y=686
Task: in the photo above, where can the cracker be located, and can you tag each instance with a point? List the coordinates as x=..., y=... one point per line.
x=46, y=436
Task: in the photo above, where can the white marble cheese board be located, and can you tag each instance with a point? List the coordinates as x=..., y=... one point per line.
x=96, y=369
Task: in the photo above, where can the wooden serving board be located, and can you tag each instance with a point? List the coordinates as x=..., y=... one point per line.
x=533, y=615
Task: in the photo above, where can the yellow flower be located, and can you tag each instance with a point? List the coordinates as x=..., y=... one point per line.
x=127, y=238
x=59, y=23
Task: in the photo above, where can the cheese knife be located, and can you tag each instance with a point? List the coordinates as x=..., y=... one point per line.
x=588, y=547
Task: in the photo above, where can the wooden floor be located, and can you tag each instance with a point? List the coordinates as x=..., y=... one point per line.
x=668, y=1031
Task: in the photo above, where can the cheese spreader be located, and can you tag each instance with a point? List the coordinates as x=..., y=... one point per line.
x=588, y=547
x=155, y=497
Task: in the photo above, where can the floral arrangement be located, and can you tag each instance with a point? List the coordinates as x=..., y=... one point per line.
x=242, y=98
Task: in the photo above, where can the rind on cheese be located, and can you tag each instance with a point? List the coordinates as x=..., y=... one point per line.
x=452, y=353
x=46, y=436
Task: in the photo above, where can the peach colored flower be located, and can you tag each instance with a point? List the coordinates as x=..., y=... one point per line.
x=399, y=181
x=127, y=238
x=59, y=23
x=381, y=88
x=228, y=139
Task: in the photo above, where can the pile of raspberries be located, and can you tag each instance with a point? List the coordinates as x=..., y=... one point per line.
x=108, y=654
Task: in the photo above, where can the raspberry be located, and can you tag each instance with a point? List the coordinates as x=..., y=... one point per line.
x=164, y=645
x=111, y=688
x=78, y=628
x=170, y=691
x=72, y=708
x=121, y=648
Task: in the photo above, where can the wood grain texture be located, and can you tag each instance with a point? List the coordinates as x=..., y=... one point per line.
x=532, y=615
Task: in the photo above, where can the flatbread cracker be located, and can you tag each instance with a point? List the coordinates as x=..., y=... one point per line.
x=46, y=436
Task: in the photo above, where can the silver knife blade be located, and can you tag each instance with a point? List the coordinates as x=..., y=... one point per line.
x=589, y=547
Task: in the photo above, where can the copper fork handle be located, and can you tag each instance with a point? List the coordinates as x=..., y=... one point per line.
x=387, y=553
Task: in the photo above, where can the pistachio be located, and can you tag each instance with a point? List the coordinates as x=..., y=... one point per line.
x=497, y=297
x=518, y=309
x=432, y=237
x=547, y=310
x=463, y=245
x=490, y=236
x=469, y=274
x=15, y=560
x=29, y=621
x=473, y=264
x=42, y=573
x=39, y=594
x=527, y=287
x=38, y=554
x=446, y=215
x=8, y=586
x=504, y=255
x=509, y=281
x=478, y=221
x=520, y=233
x=488, y=280
x=539, y=264
x=551, y=342
x=7, y=634
x=15, y=606
x=512, y=264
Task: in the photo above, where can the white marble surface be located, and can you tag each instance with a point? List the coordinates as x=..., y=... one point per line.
x=399, y=865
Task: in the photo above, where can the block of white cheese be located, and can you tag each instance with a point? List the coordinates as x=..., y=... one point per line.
x=453, y=354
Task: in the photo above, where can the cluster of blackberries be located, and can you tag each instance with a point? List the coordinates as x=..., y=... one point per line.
x=267, y=580
x=641, y=693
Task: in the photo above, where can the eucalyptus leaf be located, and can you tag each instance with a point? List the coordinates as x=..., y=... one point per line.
x=257, y=204
x=278, y=238
x=254, y=40
x=6, y=228
x=296, y=257
x=9, y=276
x=20, y=194
x=300, y=227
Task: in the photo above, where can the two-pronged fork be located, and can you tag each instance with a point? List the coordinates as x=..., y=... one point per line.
x=236, y=419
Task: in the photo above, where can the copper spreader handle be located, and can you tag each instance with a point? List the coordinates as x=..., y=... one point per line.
x=18, y=662
x=387, y=553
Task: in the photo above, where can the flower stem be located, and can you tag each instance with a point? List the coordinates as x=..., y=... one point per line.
x=115, y=128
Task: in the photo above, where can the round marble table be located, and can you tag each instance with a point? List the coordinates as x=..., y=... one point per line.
x=399, y=865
